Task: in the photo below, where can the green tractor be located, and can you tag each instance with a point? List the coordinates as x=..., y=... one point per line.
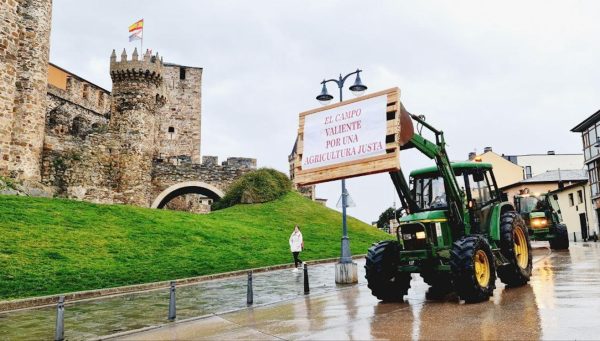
x=456, y=231
x=541, y=214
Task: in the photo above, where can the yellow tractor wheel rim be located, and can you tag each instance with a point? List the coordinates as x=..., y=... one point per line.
x=482, y=268
x=520, y=247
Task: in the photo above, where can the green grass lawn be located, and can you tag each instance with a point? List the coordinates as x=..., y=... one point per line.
x=50, y=246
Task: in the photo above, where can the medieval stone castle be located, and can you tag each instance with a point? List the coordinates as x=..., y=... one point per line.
x=139, y=144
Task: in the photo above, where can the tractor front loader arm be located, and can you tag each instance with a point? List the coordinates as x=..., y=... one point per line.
x=437, y=152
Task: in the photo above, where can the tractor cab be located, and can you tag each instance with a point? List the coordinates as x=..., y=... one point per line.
x=537, y=209
x=478, y=189
x=541, y=214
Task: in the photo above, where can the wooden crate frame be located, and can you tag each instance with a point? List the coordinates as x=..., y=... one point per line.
x=388, y=162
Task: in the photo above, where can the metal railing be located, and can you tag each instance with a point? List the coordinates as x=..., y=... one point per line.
x=59, y=334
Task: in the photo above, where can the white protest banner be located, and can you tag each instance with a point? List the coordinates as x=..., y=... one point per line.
x=356, y=137
x=350, y=132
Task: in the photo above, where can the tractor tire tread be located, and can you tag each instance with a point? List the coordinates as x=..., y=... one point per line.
x=561, y=241
x=511, y=274
x=385, y=282
x=463, y=272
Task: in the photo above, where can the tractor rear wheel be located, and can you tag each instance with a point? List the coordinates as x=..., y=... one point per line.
x=516, y=248
x=473, y=269
x=383, y=278
x=561, y=241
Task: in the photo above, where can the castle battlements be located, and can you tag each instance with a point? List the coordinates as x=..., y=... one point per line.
x=149, y=67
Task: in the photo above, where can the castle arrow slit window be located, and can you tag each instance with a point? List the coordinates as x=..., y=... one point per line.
x=181, y=73
x=171, y=132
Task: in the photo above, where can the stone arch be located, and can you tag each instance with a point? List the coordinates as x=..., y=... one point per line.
x=188, y=187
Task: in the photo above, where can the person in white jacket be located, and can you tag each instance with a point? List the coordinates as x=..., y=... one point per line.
x=296, y=246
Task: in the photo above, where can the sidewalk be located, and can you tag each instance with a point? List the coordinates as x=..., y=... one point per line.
x=105, y=316
x=343, y=314
x=526, y=312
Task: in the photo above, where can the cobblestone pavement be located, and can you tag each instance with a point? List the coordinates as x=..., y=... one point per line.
x=561, y=302
x=94, y=318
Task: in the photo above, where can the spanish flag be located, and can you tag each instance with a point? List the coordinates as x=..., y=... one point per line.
x=139, y=25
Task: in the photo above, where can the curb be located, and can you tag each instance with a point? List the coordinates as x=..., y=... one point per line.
x=44, y=301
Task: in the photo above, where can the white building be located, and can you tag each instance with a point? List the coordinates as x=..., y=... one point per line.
x=535, y=164
x=577, y=210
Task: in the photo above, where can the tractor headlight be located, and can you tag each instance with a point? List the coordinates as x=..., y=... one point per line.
x=539, y=222
x=414, y=236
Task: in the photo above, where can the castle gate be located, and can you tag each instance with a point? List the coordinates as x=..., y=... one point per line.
x=188, y=187
x=208, y=179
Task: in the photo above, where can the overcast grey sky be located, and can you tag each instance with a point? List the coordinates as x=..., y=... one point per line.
x=513, y=75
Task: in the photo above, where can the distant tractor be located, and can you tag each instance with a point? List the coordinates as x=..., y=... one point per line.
x=456, y=231
x=541, y=214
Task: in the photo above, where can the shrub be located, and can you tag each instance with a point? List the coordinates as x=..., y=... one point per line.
x=383, y=223
x=258, y=186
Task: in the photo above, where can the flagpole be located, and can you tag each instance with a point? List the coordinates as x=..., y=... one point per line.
x=142, y=40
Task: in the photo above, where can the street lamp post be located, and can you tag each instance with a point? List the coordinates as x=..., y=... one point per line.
x=346, y=269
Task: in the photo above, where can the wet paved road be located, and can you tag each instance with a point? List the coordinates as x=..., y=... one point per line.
x=562, y=301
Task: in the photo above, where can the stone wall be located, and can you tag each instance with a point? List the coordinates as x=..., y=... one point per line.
x=240, y=162
x=83, y=94
x=24, y=46
x=64, y=117
x=9, y=48
x=76, y=161
x=83, y=168
x=180, y=119
x=222, y=176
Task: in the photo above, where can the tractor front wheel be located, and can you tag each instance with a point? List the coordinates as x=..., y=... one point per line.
x=516, y=248
x=473, y=269
x=561, y=240
x=383, y=278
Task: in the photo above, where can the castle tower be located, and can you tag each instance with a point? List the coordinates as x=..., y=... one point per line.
x=180, y=120
x=24, y=50
x=137, y=94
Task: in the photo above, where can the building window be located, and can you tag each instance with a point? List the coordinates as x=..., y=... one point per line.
x=590, y=138
x=182, y=73
x=593, y=176
x=571, y=201
x=86, y=91
x=171, y=132
x=580, y=197
x=527, y=172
